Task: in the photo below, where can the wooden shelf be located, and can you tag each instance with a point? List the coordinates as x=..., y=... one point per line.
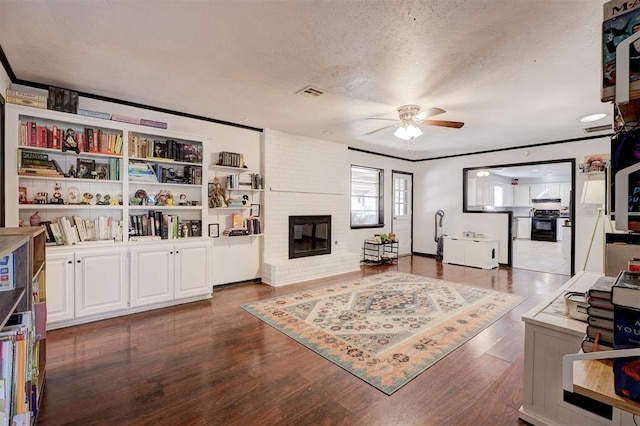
x=594, y=379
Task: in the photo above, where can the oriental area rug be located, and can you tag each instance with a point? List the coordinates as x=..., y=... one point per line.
x=388, y=328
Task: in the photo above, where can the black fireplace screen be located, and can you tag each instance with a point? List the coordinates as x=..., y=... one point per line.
x=309, y=236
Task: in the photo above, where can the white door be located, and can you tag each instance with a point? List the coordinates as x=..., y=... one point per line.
x=101, y=281
x=402, y=212
x=151, y=274
x=191, y=269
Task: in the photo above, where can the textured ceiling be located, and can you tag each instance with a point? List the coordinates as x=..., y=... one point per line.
x=516, y=72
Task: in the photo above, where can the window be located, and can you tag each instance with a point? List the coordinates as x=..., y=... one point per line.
x=366, y=197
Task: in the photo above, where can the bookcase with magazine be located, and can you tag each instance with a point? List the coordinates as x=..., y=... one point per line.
x=69, y=177
x=165, y=189
x=235, y=194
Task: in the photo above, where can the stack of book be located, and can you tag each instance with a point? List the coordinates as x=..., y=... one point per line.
x=625, y=296
x=38, y=164
x=24, y=98
x=599, y=317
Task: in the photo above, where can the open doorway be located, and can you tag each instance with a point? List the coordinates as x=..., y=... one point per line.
x=539, y=199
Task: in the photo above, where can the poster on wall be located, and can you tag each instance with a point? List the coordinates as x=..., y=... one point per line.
x=625, y=180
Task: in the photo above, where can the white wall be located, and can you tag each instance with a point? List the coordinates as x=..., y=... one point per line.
x=440, y=187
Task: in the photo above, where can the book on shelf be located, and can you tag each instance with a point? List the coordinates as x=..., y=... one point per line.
x=94, y=114
x=125, y=119
x=237, y=221
x=231, y=159
x=626, y=290
x=600, y=303
x=591, y=345
x=85, y=168
x=7, y=272
x=601, y=288
x=626, y=336
x=594, y=311
x=600, y=322
x=602, y=334
x=153, y=123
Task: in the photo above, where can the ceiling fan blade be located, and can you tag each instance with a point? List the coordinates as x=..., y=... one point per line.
x=431, y=112
x=380, y=118
x=378, y=130
x=442, y=123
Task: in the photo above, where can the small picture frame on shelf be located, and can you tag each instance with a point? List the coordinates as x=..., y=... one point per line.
x=255, y=210
x=214, y=230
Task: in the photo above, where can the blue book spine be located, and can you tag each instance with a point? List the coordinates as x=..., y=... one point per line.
x=626, y=334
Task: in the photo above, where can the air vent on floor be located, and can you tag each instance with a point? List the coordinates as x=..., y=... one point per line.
x=595, y=129
x=310, y=91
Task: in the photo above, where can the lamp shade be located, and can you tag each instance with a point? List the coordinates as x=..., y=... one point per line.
x=408, y=132
x=593, y=192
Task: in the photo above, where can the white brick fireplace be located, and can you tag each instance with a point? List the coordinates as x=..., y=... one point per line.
x=305, y=177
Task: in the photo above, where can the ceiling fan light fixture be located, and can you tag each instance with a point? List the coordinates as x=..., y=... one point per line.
x=408, y=132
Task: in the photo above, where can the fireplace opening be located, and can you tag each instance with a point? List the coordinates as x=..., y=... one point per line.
x=309, y=236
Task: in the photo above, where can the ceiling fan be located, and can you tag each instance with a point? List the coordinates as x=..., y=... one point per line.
x=409, y=119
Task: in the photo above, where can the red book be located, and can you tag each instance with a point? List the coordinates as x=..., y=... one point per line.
x=55, y=138
x=81, y=142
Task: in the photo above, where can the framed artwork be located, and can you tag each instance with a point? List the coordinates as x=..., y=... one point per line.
x=255, y=210
x=214, y=230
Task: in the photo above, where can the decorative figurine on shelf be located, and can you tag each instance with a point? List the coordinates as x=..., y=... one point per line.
x=34, y=220
x=86, y=198
x=217, y=195
x=183, y=200
x=72, y=171
x=73, y=195
x=40, y=198
x=99, y=201
x=107, y=200
x=69, y=143
x=57, y=195
x=245, y=199
x=164, y=198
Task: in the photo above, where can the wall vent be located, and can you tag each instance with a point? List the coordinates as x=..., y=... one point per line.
x=310, y=91
x=596, y=129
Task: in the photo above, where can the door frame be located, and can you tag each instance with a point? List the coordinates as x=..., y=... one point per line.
x=393, y=171
x=572, y=204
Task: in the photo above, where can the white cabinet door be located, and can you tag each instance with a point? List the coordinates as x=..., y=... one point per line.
x=553, y=190
x=521, y=196
x=507, y=195
x=100, y=281
x=152, y=271
x=191, y=269
x=453, y=250
x=60, y=277
x=539, y=190
x=565, y=193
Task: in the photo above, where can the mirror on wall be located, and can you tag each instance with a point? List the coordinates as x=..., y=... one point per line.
x=539, y=197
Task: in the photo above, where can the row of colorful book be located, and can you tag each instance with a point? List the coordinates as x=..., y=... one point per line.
x=165, y=149
x=157, y=225
x=64, y=231
x=90, y=140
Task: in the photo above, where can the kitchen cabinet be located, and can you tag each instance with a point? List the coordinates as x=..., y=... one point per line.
x=565, y=193
x=521, y=196
x=545, y=190
x=161, y=273
x=559, y=224
x=476, y=252
x=524, y=228
x=507, y=195
x=60, y=278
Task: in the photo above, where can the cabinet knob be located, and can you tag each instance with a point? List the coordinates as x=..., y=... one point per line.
x=78, y=261
x=170, y=252
x=69, y=262
x=177, y=251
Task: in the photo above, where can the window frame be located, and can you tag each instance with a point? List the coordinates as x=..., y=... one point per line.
x=379, y=198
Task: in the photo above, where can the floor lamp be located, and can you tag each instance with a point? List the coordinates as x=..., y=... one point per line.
x=594, y=192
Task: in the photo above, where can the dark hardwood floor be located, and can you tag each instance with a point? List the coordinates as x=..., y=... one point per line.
x=212, y=363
